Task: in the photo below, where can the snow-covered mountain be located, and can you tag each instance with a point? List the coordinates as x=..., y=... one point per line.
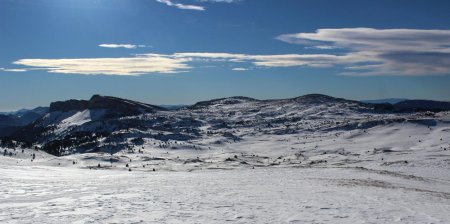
x=110, y=124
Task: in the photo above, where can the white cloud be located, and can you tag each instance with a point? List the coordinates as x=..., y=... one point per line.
x=174, y=63
x=384, y=51
x=132, y=66
x=182, y=6
x=127, y=46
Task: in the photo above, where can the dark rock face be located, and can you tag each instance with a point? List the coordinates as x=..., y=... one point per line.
x=105, y=102
x=68, y=105
x=118, y=104
x=120, y=107
x=114, y=105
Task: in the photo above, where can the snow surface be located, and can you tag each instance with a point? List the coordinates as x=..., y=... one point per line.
x=42, y=194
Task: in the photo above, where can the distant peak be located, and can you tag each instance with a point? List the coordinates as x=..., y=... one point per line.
x=227, y=101
x=318, y=98
x=96, y=96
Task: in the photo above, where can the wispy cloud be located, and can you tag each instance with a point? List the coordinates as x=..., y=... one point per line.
x=182, y=6
x=131, y=66
x=321, y=47
x=383, y=51
x=277, y=60
x=127, y=46
x=194, y=7
x=13, y=70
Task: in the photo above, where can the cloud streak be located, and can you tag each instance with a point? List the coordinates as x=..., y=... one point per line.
x=240, y=69
x=182, y=6
x=194, y=7
x=127, y=46
x=13, y=70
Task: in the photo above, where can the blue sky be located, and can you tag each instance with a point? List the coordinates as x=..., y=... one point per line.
x=184, y=51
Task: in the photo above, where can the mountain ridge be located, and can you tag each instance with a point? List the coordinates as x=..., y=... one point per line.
x=108, y=124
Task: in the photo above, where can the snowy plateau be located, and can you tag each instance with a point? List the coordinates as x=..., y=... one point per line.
x=310, y=159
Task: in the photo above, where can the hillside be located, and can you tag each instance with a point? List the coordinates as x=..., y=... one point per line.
x=296, y=130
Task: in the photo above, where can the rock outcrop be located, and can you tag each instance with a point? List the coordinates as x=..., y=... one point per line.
x=113, y=104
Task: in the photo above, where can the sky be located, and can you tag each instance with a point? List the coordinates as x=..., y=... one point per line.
x=185, y=51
